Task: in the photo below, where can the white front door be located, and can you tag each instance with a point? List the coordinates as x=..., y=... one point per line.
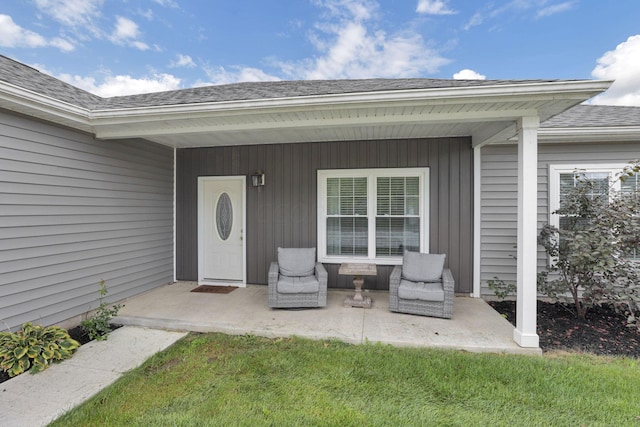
x=221, y=224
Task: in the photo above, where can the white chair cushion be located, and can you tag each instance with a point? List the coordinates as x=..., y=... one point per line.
x=418, y=267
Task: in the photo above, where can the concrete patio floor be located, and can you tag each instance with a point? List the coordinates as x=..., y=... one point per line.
x=475, y=326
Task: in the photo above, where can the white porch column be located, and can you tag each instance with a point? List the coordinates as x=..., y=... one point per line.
x=525, y=332
x=477, y=223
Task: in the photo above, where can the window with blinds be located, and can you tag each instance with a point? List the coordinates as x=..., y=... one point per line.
x=347, y=225
x=371, y=214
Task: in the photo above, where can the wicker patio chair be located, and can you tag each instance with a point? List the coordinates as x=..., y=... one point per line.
x=297, y=280
x=421, y=285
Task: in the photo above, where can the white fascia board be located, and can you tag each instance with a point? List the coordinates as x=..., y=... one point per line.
x=21, y=100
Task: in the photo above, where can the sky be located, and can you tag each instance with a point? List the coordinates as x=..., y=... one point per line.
x=120, y=47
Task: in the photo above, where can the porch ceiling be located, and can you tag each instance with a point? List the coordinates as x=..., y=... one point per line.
x=487, y=114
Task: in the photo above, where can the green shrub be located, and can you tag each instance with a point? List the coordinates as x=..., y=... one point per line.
x=34, y=347
x=98, y=326
x=591, y=254
x=501, y=288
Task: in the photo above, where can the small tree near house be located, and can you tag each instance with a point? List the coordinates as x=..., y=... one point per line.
x=595, y=253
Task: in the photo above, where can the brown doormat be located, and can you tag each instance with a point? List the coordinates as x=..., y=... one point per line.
x=214, y=289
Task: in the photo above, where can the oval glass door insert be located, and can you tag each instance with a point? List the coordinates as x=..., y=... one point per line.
x=224, y=216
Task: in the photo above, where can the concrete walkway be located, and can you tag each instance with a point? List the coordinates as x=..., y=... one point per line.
x=36, y=400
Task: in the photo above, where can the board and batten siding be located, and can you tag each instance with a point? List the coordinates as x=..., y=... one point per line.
x=283, y=212
x=499, y=197
x=74, y=211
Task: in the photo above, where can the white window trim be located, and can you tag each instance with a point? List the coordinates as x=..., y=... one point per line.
x=323, y=175
x=554, y=182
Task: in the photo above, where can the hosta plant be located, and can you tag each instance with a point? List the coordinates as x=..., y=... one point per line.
x=34, y=347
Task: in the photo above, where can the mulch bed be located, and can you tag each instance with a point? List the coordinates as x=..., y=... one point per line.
x=603, y=332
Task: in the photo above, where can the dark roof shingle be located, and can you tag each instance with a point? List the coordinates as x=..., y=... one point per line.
x=29, y=78
x=290, y=89
x=595, y=116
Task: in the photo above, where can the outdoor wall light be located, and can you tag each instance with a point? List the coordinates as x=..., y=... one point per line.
x=257, y=179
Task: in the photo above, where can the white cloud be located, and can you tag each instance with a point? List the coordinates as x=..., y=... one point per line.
x=123, y=84
x=468, y=74
x=72, y=13
x=555, y=8
x=62, y=44
x=12, y=35
x=623, y=66
x=147, y=14
x=358, y=9
x=434, y=7
x=350, y=46
x=126, y=32
x=220, y=75
x=167, y=3
x=535, y=8
x=125, y=29
x=476, y=19
x=183, y=61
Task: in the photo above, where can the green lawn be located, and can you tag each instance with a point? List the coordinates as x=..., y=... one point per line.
x=215, y=379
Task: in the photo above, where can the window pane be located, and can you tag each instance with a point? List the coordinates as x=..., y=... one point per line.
x=397, y=205
x=333, y=187
x=413, y=186
x=413, y=205
x=333, y=205
x=397, y=186
x=347, y=236
x=346, y=205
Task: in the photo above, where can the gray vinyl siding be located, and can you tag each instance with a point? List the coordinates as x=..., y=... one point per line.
x=75, y=210
x=499, y=197
x=283, y=212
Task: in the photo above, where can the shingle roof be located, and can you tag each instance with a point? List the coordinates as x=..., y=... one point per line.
x=19, y=74
x=595, y=116
x=27, y=77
